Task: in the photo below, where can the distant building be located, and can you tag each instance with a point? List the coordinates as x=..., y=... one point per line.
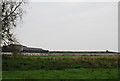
x=22, y=49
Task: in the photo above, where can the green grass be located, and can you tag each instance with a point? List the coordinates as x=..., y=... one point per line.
x=57, y=63
x=63, y=74
x=60, y=67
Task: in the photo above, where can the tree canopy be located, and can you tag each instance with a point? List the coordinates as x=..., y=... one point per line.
x=11, y=13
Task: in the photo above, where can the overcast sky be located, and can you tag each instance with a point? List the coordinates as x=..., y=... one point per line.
x=70, y=26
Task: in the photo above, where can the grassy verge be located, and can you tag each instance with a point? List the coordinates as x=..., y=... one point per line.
x=63, y=74
x=60, y=67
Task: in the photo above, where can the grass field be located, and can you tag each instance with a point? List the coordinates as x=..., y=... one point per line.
x=63, y=74
x=60, y=67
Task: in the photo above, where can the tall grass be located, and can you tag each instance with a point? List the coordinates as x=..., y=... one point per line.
x=54, y=63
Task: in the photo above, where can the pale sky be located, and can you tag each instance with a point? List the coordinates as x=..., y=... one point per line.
x=70, y=26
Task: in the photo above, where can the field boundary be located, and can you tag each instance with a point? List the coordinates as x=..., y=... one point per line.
x=55, y=54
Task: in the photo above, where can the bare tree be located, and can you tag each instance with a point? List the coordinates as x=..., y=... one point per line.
x=11, y=13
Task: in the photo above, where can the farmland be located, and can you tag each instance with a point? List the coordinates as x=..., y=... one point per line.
x=60, y=67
